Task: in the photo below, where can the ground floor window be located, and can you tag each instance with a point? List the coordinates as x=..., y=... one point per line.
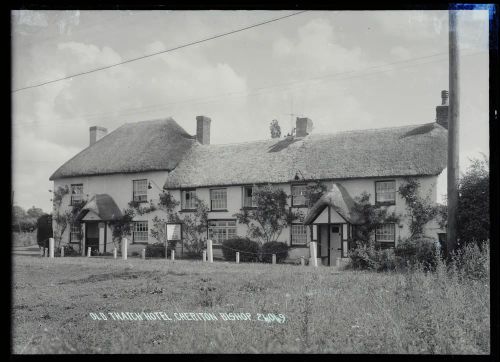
x=385, y=234
x=299, y=234
x=220, y=230
x=75, y=233
x=140, y=233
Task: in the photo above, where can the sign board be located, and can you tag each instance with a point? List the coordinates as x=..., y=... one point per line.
x=174, y=231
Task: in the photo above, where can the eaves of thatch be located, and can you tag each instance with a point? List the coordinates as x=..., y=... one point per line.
x=398, y=151
x=103, y=206
x=134, y=147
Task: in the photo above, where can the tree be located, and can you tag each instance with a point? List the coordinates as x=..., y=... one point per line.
x=420, y=210
x=271, y=215
x=372, y=216
x=194, y=225
x=314, y=192
x=122, y=227
x=473, y=217
x=275, y=129
x=63, y=218
x=35, y=212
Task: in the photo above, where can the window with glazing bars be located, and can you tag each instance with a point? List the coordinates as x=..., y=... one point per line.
x=220, y=230
x=385, y=191
x=248, y=199
x=140, y=190
x=299, y=195
x=385, y=233
x=140, y=231
x=218, y=199
x=188, y=199
x=299, y=234
x=75, y=233
x=76, y=193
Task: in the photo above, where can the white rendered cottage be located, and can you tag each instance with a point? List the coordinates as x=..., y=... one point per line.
x=138, y=160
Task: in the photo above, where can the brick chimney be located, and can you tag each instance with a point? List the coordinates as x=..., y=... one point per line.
x=303, y=127
x=203, y=129
x=96, y=133
x=442, y=110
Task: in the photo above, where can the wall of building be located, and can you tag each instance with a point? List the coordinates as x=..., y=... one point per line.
x=119, y=187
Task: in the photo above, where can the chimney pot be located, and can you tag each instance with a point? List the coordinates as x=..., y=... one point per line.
x=96, y=133
x=442, y=110
x=303, y=127
x=203, y=129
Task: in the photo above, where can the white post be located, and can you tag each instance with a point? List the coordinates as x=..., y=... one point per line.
x=302, y=261
x=143, y=254
x=42, y=251
x=124, y=248
x=45, y=252
x=62, y=251
x=274, y=258
x=89, y=250
x=314, y=253
x=172, y=255
x=210, y=251
x=51, y=247
x=115, y=253
x=204, y=255
x=237, y=257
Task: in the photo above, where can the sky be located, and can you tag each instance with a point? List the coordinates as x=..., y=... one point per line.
x=344, y=70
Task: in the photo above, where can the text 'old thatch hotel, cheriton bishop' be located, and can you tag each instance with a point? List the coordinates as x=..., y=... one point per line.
x=129, y=163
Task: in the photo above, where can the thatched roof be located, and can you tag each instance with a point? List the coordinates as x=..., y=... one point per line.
x=104, y=206
x=398, y=151
x=340, y=200
x=133, y=147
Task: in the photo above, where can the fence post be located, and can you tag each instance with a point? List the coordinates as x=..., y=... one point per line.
x=274, y=258
x=204, y=255
x=302, y=261
x=62, y=251
x=314, y=253
x=51, y=247
x=143, y=254
x=114, y=253
x=210, y=251
x=237, y=257
x=89, y=252
x=124, y=248
x=172, y=255
x=42, y=251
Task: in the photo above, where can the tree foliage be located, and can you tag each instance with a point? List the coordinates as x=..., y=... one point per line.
x=420, y=209
x=271, y=215
x=275, y=129
x=314, y=192
x=373, y=216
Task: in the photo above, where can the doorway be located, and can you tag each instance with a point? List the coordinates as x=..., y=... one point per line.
x=335, y=243
x=91, y=236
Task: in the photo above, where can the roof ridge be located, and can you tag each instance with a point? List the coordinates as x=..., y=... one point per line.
x=320, y=134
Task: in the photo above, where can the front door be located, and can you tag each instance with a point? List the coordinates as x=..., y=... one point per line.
x=335, y=244
x=91, y=236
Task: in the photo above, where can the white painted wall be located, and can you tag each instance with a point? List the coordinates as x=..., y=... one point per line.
x=119, y=186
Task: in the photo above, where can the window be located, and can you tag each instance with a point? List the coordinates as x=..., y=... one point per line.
x=220, y=230
x=140, y=190
x=218, y=199
x=299, y=195
x=76, y=193
x=385, y=192
x=188, y=199
x=140, y=231
x=385, y=233
x=248, y=200
x=299, y=234
x=75, y=233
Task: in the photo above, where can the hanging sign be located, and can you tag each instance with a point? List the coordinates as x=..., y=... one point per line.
x=174, y=231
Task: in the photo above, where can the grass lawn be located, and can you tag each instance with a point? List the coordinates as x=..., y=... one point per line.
x=326, y=311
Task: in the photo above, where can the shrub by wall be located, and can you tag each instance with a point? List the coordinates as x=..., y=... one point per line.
x=156, y=250
x=422, y=250
x=248, y=249
x=274, y=247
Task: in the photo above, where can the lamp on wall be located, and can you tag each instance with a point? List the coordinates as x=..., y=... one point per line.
x=149, y=186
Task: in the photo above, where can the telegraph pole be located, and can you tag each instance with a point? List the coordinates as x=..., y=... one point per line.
x=453, y=132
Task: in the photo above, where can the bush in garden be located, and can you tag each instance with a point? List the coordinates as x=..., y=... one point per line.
x=420, y=250
x=366, y=256
x=274, y=247
x=473, y=261
x=248, y=249
x=44, y=230
x=156, y=250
